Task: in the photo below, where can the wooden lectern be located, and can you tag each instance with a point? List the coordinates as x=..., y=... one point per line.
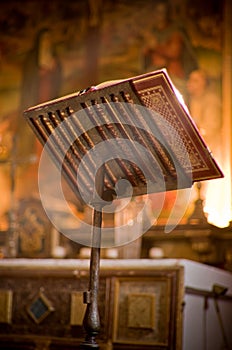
x=146, y=121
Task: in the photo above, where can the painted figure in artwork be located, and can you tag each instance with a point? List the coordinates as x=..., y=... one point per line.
x=41, y=81
x=168, y=46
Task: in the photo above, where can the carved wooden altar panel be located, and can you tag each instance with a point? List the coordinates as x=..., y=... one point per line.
x=143, y=311
x=140, y=307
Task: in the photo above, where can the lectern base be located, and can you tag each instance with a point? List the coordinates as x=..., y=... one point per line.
x=89, y=345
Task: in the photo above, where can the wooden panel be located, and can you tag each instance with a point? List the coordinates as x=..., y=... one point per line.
x=5, y=306
x=144, y=311
x=139, y=307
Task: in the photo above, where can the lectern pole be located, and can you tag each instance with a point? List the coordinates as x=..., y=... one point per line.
x=91, y=320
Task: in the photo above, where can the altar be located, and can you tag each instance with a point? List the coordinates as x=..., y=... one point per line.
x=143, y=304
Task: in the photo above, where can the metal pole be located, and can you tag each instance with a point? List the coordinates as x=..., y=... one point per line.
x=91, y=321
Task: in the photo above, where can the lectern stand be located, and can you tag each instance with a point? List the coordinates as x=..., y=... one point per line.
x=157, y=147
x=91, y=321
